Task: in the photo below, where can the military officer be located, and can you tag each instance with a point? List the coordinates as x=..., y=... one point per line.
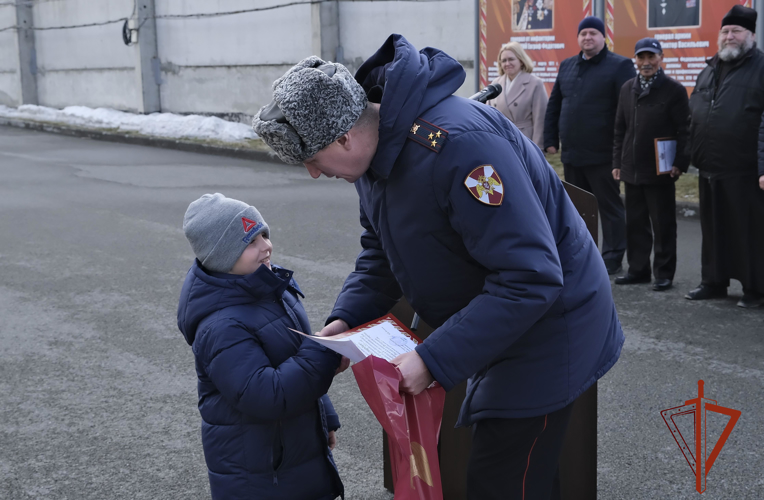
x=534, y=15
x=673, y=13
x=464, y=217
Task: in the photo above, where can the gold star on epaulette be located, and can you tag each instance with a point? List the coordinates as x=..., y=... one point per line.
x=432, y=136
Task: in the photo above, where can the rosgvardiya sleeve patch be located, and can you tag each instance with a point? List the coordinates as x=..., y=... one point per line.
x=485, y=185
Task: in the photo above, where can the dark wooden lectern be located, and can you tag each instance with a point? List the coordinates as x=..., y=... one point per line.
x=578, y=460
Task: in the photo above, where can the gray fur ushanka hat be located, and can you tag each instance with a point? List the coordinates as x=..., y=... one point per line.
x=314, y=104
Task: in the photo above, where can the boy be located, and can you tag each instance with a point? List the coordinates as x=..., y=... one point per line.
x=267, y=424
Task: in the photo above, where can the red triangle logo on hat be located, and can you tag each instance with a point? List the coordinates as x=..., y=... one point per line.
x=248, y=224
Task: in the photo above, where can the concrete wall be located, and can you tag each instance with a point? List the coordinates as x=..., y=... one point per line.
x=217, y=65
x=84, y=66
x=227, y=64
x=449, y=26
x=10, y=89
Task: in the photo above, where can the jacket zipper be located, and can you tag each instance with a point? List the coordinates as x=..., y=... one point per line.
x=634, y=143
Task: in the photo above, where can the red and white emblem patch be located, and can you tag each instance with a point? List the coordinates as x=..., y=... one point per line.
x=248, y=224
x=485, y=185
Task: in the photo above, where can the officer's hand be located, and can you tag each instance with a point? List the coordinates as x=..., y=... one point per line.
x=675, y=173
x=416, y=376
x=551, y=150
x=334, y=328
x=761, y=182
x=617, y=174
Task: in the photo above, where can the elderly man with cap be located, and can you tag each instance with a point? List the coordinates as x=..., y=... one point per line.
x=651, y=106
x=464, y=217
x=581, y=114
x=727, y=146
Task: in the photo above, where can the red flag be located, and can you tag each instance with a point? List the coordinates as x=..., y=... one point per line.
x=412, y=424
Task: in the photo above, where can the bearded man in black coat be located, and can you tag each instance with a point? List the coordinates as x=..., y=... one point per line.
x=727, y=146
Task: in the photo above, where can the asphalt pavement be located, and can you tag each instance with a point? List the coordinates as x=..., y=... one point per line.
x=98, y=388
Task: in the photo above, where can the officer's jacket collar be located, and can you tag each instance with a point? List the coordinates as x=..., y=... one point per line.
x=414, y=81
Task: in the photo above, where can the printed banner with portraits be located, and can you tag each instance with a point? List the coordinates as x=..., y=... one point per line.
x=687, y=29
x=547, y=30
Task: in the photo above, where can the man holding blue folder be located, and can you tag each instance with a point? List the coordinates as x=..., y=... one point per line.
x=651, y=124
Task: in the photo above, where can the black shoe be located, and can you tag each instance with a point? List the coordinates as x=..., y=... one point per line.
x=704, y=292
x=661, y=285
x=749, y=301
x=632, y=279
x=613, y=266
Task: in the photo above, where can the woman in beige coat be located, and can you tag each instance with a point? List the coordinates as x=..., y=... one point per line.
x=523, y=98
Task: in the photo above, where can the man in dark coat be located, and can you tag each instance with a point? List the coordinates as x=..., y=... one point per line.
x=581, y=113
x=673, y=13
x=727, y=137
x=651, y=106
x=463, y=216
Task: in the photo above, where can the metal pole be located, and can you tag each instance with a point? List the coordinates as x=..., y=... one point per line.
x=599, y=9
x=148, y=67
x=27, y=53
x=477, y=45
x=325, y=26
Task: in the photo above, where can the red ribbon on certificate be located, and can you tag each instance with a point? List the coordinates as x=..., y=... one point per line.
x=412, y=424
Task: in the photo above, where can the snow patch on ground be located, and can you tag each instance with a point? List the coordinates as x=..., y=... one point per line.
x=166, y=125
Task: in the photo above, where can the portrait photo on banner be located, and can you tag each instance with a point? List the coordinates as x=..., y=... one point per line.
x=673, y=13
x=532, y=15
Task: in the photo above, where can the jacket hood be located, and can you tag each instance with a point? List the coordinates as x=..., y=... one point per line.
x=204, y=293
x=410, y=82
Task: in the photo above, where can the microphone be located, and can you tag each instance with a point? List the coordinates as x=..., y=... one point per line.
x=487, y=93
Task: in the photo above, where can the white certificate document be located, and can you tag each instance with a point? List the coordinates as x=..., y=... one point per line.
x=665, y=154
x=383, y=340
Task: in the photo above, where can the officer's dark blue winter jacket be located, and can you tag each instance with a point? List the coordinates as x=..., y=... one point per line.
x=518, y=292
x=262, y=388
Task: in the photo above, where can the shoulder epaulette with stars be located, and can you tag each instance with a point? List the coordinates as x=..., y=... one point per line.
x=428, y=135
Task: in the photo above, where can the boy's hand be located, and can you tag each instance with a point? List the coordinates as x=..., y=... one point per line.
x=332, y=440
x=334, y=328
x=343, y=365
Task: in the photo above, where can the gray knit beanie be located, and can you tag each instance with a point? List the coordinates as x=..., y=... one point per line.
x=314, y=104
x=220, y=228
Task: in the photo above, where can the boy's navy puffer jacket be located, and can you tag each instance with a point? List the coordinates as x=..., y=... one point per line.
x=262, y=388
